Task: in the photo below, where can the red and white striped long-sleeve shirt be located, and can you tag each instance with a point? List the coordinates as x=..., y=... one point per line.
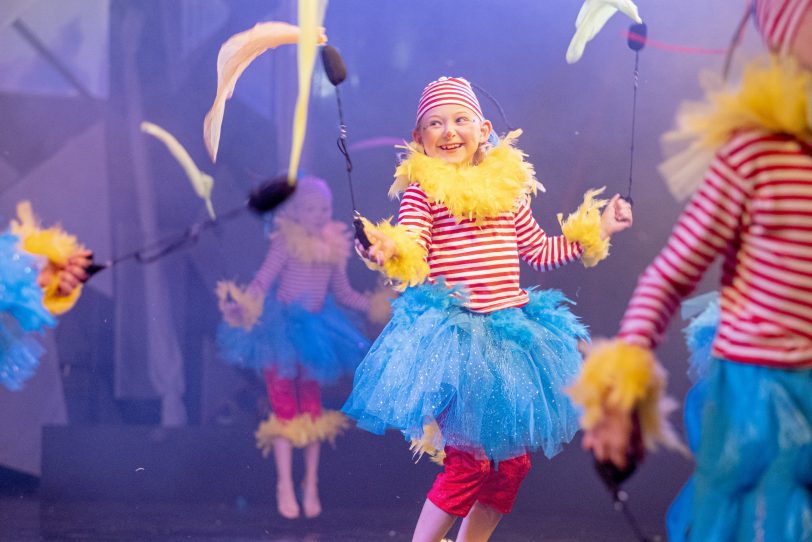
x=483, y=258
x=754, y=208
x=306, y=283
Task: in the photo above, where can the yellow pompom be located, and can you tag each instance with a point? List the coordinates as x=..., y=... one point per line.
x=584, y=226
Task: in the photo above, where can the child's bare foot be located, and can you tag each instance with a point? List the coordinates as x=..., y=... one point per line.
x=310, y=499
x=286, y=501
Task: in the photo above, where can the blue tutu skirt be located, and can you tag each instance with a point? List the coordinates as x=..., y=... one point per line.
x=493, y=382
x=750, y=428
x=322, y=346
x=21, y=314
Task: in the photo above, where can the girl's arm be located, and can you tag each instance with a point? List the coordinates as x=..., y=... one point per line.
x=345, y=293
x=539, y=250
x=272, y=266
x=400, y=250
x=708, y=226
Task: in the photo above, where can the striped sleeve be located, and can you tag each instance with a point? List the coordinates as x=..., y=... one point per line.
x=344, y=292
x=707, y=227
x=540, y=251
x=272, y=266
x=415, y=215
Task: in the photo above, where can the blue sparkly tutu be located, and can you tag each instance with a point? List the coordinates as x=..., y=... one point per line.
x=21, y=313
x=493, y=382
x=750, y=428
x=325, y=344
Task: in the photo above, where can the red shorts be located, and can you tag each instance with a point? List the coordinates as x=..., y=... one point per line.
x=467, y=480
x=291, y=397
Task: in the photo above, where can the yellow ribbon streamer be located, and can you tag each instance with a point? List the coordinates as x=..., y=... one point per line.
x=311, y=16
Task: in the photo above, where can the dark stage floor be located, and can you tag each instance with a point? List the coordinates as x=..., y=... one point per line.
x=26, y=518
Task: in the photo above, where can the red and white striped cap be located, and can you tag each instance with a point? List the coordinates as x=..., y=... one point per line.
x=777, y=21
x=448, y=91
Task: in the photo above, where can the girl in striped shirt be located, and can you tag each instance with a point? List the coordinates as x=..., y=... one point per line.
x=471, y=367
x=297, y=337
x=749, y=418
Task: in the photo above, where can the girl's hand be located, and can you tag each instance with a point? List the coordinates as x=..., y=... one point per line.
x=616, y=216
x=615, y=438
x=381, y=251
x=69, y=276
x=232, y=311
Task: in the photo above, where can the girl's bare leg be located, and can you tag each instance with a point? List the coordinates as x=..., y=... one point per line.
x=479, y=524
x=310, y=484
x=433, y=524
x=285, y=496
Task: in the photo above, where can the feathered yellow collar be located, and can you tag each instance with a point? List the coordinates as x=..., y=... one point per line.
x=775, y=95
x=330, y=245
x=494, y=186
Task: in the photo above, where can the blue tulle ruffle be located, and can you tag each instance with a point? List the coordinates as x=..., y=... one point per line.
x=326, y=345
x=21, y=314
x=750, y=428
x=703, y=315
x=494, y=382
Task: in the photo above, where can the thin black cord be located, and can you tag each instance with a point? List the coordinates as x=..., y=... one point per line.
x=342, y=146
x=620, y=506
x=162, y=247
x=496, y=103
x=634, y=122
x=736, y=40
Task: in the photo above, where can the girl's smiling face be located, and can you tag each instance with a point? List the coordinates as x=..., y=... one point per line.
x=452, y=133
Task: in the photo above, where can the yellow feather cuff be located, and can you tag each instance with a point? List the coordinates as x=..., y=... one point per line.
x=584, y=227
x=55, y=245
x=301, y=430
x=623, y=377
x=431, y=443
x=59, y=304
x=249, y=302
x=408, y=267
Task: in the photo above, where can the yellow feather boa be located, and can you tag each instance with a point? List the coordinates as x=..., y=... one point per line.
x=330, y=245
x=408, y=267
x=775, y=95
x=494, y=186
x=56, y=246
x=301, y=430
x=584, y=226
x=626, y=378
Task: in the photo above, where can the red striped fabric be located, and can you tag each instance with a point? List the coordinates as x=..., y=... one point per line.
x=483, y=258
x=778, y=20
x=448, y=91
x=306, y=283
x=754, y=209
